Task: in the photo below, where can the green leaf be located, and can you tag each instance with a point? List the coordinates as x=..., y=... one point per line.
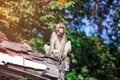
x=4, y=23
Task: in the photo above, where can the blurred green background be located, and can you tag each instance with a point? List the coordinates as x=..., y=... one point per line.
x=93, y=27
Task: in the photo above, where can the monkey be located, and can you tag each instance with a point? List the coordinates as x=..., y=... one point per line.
x=59, y=46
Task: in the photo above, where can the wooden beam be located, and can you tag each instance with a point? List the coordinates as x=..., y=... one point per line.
x=20, y=73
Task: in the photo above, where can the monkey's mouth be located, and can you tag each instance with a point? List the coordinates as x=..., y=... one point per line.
x=61, y=34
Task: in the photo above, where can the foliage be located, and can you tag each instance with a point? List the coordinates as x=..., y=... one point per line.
x=28, y=19
x=91, y=59
x=101, y=16
x=98, y=55
x=37, y=44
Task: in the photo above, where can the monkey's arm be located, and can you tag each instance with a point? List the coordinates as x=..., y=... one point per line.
x=67, y=49
x=52, y=42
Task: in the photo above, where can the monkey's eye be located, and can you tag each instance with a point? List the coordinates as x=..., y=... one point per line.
x=61, y=27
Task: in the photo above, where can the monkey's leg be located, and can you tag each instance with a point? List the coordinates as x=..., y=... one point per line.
x=66, y=64
x=67, y=49
x=47, y=54
x=46, y=47
x=57, y=56
x=65, y=60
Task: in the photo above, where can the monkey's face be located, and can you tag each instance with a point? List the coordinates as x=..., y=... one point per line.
x=60, y=30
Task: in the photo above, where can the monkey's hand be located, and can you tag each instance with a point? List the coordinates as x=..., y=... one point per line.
x=63, y=57
x=59, y=57
x=47, y=54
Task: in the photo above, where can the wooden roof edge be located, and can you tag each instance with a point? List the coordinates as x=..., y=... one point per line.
x=14, y=59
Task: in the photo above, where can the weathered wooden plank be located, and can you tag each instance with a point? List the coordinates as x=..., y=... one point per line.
x=11, y=45
x=19, y=47
x=20, y=73
x=51, y=72
x=21, y=61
